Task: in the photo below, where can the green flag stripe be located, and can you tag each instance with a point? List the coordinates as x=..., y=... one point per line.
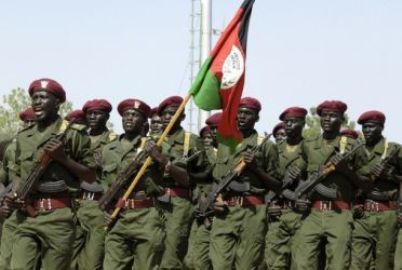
x=208, y=97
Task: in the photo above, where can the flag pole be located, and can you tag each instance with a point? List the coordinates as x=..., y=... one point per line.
x=148, y=161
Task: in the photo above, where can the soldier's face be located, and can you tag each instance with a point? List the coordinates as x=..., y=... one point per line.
x=44, y=104
x=207, y=140
x=133, y=121
x=293, y=126
x=331, y=120
x=96, y=119
x=213, y=132
x=246, y=118
x=372, y=132
x=167, y=114
x=156, y=124
x=280, y=135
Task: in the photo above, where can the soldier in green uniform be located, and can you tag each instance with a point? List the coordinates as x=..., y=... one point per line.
x=375, y=229
x=90, y=236
x=78, y=116
x=137, y=236
x=7, y=175
x=398, y=251
x=48, y=230
x=283, y=219
x=239, y=227
x=198, y=252
x=279, y=132
x=330, y=219
x=176, y=201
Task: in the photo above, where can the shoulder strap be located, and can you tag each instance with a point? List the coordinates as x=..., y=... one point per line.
x=386, y=146
x=343, y=143
x=186, y=143
x=142, y=144
x=63, y=126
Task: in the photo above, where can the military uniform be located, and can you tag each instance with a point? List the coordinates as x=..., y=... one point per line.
x=137, y=236
x=198, y=251
x=237, y=237
x=176, y=202
x=398, y=251
x=53, y=228
x=282, y=228
x=329, y=219
x=374, y=233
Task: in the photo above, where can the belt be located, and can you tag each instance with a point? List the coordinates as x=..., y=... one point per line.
x=286, y=204
x=90, y=196
x=373, y=206
x=331, y=205
x=245, y=200
x=48, y=204
x=178, y=192
x=135, y=203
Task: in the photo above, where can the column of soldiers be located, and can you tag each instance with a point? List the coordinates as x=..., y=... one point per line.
x=331, y=202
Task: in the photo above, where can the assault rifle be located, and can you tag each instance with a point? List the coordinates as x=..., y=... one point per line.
x=384, y=162
x=26, y=187
x=110, y=198
x=206, y=207
x=317, y=177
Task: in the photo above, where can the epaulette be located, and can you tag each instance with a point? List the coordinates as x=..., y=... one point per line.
x=112, y=136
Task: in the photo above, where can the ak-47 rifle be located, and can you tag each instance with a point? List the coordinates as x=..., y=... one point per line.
x=317, y=177
x=26, y=187
x=110, y=198
x=206, y=207
x=384, y=162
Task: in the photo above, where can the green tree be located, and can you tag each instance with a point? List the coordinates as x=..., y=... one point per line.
x=313, y=126
x=13, y=103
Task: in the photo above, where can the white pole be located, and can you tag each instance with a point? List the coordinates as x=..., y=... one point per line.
x=206, y=34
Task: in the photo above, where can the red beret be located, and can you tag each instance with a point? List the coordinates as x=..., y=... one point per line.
x=204, y=130
x=173, y=100
x=77, y=115
x=293, y=112
x=251, y=103
x=27, y=114
x=371, y=116
x=278, y=126
x=153, y=112
x=48, y=85
x=214, y=119
x=350, y=133
x=335, y=105
x=97, y=104
x=136, y=104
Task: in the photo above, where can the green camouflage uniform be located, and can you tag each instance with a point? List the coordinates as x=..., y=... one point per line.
x=137, y=236
x=8, y=226
x=398, y=251
x=335, y=226
x=197, y=256
x=177, y=210
x=51, y=232
x=90, y=236
x=281, y=229
x=237, y=236
x=375, y=233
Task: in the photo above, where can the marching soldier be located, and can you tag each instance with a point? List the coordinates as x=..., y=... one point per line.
x=155, y=127
x=8, y=174
x=398, y=251
x=239, y=227
x=78, y=116
x=376, y=228
x=137, y=236
x=198, y=251
x=176, y=201
x=330, y=219
x=90, y=236
x=279, y=132
x=351, y=133
x=46, y=223
x=283, y=218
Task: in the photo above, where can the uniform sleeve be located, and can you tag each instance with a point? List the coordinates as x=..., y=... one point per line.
x=78, y=148
x=271, y=159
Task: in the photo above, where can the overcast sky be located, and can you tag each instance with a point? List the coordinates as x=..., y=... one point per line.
x=299, y=52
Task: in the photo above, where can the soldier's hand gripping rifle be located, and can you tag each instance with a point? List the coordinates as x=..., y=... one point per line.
x=206, y=207
x=25, y=188
x=110, y=198
x=380, y=166
x=317, y=177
